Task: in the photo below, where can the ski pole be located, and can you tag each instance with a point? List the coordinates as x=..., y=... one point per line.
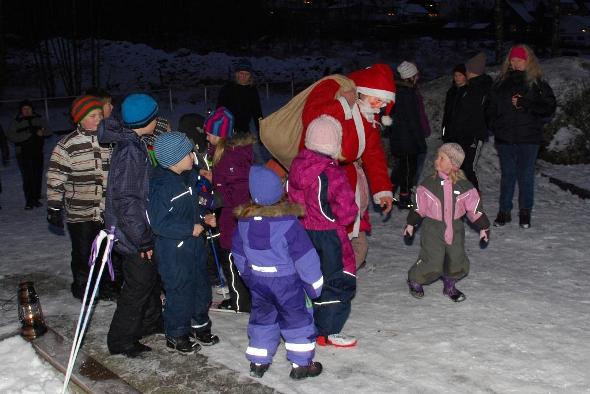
x=219, y=274
x=80, y=332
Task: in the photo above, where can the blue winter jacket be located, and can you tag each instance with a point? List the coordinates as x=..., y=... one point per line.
x=271, y=242
x=127, y=188
x=173, y=207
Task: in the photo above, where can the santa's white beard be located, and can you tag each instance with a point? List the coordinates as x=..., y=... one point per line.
x=367, y=111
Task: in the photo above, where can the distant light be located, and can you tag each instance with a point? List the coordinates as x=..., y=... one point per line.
x=584, y=30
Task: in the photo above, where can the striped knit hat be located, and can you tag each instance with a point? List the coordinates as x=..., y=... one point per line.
x=220, y=123
x=83, y=105
x=172, y=147
x=138, y=110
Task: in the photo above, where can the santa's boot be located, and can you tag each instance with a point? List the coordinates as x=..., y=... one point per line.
x=451, y=291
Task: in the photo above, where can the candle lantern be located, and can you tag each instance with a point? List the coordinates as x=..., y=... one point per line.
x=30, y=313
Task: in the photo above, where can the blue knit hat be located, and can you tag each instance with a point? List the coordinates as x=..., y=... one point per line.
x=172, y=147
x=244, y=65
x=266, y=187
x=220, y=123
x=138, y=110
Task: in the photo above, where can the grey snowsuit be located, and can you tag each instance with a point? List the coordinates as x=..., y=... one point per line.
x=441, y=205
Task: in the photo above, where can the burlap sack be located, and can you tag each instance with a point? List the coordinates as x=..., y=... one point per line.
x=281, y=131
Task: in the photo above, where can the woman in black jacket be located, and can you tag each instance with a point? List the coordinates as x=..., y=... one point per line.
x=406, y=134
x=520, y=103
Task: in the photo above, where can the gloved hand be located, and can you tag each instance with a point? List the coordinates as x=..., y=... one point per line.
x=484, y=238
x=55, y=217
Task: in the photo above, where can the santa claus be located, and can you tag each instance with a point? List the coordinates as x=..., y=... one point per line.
x=363, y=158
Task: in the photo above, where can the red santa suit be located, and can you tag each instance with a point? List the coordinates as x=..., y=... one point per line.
x=361, y=138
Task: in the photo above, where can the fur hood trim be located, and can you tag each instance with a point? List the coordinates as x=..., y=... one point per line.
x=242, y=140
x=283, y=208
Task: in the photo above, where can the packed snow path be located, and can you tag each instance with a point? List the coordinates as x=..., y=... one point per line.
x=523, y=327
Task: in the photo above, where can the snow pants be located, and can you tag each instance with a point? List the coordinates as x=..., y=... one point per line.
x=238, y=291
x=279, y=309
x=437, y=258
x=332, y=308
x=186, y=282
x=139, y=307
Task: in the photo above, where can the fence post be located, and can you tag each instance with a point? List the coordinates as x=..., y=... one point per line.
x=46, y=109
x=267, y=92
x=170, y=99
x=292, y=87
x=205, y=93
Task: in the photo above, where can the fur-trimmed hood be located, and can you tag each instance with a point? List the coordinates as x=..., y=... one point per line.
x=283, y=208
x=241, y=140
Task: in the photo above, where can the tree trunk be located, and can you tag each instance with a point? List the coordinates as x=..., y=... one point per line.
x=499, y=22
x=555, y=37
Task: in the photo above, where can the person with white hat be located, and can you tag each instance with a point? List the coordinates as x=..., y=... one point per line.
x=407, y=134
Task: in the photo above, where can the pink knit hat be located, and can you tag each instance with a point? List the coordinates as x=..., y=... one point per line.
x=324, y=135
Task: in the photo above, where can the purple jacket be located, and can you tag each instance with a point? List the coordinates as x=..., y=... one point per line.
x=319, y=184
x=230, y=179
x=270, y=242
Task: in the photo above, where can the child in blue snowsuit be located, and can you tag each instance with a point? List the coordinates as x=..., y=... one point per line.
x=178, y=222
x=279, y=264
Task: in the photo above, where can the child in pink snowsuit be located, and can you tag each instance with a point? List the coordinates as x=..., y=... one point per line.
x=441, y=202
x=317, y=182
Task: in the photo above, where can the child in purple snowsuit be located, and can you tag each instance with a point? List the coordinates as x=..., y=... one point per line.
x=318, y=183
x=278, y=262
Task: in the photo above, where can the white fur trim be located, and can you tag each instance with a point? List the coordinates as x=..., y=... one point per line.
x=385, y=95
x=345, y=107
x=384, y=193
x=386, y=120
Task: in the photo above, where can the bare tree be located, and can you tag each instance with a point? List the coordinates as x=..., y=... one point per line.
x=555, y=37
x=499, y=22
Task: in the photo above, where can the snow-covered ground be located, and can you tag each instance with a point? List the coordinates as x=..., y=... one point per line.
x=522, y=329
x=24, y=372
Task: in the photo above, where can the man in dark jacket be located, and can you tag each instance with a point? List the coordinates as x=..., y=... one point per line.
x=27, y=132
x=467, y=125
x=241, y=98
x=138, y=310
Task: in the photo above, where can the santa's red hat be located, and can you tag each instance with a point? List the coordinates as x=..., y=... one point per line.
x=377, y=81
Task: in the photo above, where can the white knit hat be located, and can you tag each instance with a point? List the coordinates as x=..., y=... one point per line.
x=324, y=135
x=407, y=70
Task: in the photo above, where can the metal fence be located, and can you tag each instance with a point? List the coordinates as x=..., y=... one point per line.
x=200, y=99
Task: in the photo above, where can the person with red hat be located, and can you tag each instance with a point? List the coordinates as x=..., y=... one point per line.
x=359, y=112
x=520, y=103
x=76, y=189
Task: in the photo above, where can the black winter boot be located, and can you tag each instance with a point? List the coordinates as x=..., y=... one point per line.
x=451, y=291
x=182, y=344
x=205, y=338
x=301, y=372
x=258, y=370
x=502, y=219
x=524, y=218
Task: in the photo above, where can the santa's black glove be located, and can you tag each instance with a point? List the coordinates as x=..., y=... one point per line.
x=55, y=217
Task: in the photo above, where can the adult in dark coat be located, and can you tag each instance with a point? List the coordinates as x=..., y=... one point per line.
x=241, y=98
x=27, y=132
x=406, y=136
x=464, y=120
x=520, y=102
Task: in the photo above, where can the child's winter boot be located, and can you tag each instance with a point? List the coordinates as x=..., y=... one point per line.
x=182, y=344
x=524, y=218
x=204, y=337
x=336, y=340
x=258, y=370
x=416, y=289
x=299, y=372
x=451, y=291
x=404, y=201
